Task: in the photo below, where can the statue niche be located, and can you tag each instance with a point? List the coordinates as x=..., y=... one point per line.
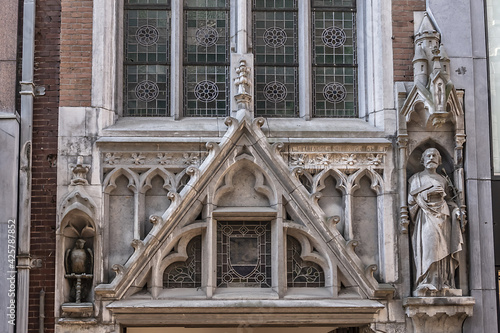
x=437, y=223
x=79, y=234
x=79, y=263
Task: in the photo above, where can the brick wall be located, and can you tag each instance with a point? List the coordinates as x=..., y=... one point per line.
x=402, y=31
x=45, y=119
x=76, y=52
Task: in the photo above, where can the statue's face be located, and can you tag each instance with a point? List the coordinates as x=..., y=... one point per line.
x=431, y=158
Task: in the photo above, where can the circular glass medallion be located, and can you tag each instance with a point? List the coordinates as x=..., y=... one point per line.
x=207, y=36
x=147, y=35
x=275, y=92
x=334, y=92
x=333, y=37
x=275, y=37
x=147, y=91
x=206, y=91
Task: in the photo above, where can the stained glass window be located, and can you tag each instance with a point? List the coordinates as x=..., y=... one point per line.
x=244, y=254
x=276, y=59
x=147, y=58
x=186, y=274
x=206, y=58
x=334, y=58
x=301, y=273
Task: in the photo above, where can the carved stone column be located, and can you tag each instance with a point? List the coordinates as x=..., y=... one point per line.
x=438, y=314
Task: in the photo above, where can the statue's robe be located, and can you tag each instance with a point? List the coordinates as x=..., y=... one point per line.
x=437, y=236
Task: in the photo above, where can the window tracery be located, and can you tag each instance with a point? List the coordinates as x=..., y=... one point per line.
x=146, y=58
x=206, y=58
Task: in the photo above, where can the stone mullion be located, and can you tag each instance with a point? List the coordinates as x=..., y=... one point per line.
x=305, y=59
x=209, y=255
x=139, y=221
x=348, y=233
x=278, y=252
x=176, y=81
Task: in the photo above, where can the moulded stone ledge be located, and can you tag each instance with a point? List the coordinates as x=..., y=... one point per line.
x=76, y=311
x=438, y=314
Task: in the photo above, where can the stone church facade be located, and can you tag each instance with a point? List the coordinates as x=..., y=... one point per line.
x=252, y=166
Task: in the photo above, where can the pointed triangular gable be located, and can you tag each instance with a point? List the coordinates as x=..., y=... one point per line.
x=244, y=140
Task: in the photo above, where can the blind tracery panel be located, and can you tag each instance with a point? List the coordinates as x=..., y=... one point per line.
x=147, y=58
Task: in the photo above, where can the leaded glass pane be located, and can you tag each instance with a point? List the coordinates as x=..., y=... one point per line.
x=335, y=91
x=276, y=91
x=146, y=92
x=146, y=58
x=185, y=274
x=301, y=273
x=205, y=3
x=275, y=4
x=147, y=36
x=334, y=59
x=244, y=254
x=148, y=2
x=206, y=37
x=334, y=38
x=206, y=91
x=275, y=37
x=334, y=3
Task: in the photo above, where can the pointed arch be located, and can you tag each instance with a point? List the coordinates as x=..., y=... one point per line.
x=262, y=186
x=414, y=164
x=340, y=177
x=307, y=248
x=376, y=180
x=147, y=177
x=109, y=183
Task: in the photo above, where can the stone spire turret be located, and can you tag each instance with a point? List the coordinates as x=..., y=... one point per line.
x=420, y=66
x=427, y=34
x=445, y=62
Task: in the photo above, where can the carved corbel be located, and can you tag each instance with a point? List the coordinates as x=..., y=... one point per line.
x=80, y=171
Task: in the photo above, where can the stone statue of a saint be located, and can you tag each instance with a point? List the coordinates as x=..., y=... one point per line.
x=437, y=236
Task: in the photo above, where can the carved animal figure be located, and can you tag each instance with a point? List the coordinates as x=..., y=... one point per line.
x=79, y=260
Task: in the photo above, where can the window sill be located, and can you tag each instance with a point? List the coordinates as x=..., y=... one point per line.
x=204, y=129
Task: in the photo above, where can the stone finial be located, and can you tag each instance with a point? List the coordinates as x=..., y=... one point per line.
x=427, y=31
x=243, y=97
x=80, y=171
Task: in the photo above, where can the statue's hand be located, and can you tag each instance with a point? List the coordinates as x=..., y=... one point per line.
x=460, y=214
x=437, y=189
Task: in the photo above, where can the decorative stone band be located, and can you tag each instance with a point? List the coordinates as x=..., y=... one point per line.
x=317, y=161
x=167, y=159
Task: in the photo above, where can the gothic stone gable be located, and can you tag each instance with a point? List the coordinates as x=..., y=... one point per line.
x=243, y=156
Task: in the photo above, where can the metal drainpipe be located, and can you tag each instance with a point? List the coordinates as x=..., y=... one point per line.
x=24, y=217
